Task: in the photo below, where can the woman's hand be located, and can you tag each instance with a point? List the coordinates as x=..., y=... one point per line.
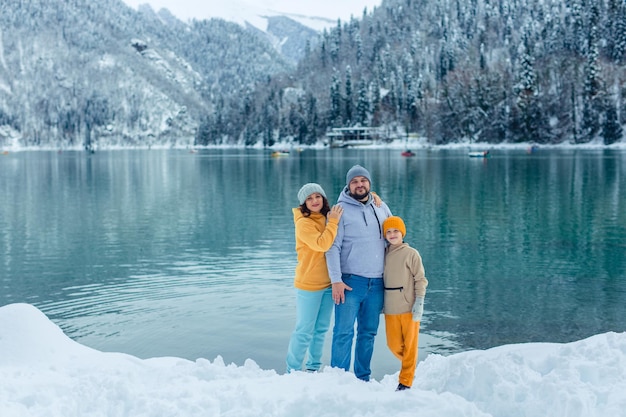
x=377, y=200
x=335, y=212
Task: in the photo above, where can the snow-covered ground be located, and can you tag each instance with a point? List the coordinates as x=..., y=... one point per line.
x=44, y=373
x=400, y=144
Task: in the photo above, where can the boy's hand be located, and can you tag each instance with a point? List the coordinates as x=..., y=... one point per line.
x=418, y=309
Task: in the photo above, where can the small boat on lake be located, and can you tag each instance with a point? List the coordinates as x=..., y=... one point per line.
x=280, y=154
x=408, y=152
x=478, y=154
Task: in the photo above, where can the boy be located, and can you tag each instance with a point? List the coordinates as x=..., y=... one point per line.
x=405, y=288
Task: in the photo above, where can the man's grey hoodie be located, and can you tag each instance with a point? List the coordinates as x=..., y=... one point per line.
x=359, y=247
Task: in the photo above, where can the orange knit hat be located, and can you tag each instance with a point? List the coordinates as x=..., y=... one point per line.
x=394, y=222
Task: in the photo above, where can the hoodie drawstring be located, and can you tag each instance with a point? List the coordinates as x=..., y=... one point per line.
x=380, y=228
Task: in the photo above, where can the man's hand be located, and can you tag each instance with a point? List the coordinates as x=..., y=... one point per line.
x=339, y=295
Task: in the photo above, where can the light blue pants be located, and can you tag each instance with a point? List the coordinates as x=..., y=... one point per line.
x=313, y=311
x=364, y=304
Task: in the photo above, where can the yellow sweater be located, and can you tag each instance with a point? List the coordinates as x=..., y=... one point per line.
x=313, y=238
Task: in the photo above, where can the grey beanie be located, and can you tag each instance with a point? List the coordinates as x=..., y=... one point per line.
x=308, y=189
x=357, y=171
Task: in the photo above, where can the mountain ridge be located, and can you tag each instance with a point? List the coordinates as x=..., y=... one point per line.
x=76, y=72
x=79, y=73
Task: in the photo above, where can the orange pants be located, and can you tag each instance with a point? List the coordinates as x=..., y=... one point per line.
x=402, y=339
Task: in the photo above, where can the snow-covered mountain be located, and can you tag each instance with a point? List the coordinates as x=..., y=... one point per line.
x=288, y=25
x=318, y=14
x=90, y=73
x=99, y=71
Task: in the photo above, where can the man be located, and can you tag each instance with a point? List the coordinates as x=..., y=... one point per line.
x=355, y=265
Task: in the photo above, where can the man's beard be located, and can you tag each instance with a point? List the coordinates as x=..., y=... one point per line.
x=361, y=196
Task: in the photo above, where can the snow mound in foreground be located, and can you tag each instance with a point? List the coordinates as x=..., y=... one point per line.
x=44, y=373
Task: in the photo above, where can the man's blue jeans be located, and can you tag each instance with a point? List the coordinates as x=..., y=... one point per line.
x=363, y=304
x=313, y=312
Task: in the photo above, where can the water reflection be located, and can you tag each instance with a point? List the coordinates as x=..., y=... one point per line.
x=158, y=253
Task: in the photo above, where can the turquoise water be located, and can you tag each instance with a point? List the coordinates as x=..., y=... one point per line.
x=172, y=253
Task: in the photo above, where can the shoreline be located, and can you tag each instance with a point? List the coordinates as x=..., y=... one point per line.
x=396, y=145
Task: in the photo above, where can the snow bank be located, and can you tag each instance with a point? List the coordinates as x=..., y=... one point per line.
x=44, y=373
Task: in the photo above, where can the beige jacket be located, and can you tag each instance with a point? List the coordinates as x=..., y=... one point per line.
x=404, y=278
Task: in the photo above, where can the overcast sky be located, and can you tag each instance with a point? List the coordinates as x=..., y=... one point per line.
x=250, y=10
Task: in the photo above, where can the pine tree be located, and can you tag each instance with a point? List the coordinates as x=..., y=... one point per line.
x=619, y=35
x=348, y=97
x=359, y=47
x=363, y=104
x=592, y=90
x=335, y=101
x=412, y=102
x=611, y=129
x=312, y=120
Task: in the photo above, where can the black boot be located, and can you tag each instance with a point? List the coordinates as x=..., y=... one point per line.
x=402, y=387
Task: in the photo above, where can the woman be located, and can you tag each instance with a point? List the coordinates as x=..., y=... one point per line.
x=316, y=227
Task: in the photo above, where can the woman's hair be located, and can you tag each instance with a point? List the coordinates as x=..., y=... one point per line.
x=325, y=208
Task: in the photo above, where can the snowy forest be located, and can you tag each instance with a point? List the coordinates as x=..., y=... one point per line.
x=86, y=72
x=543, y=71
